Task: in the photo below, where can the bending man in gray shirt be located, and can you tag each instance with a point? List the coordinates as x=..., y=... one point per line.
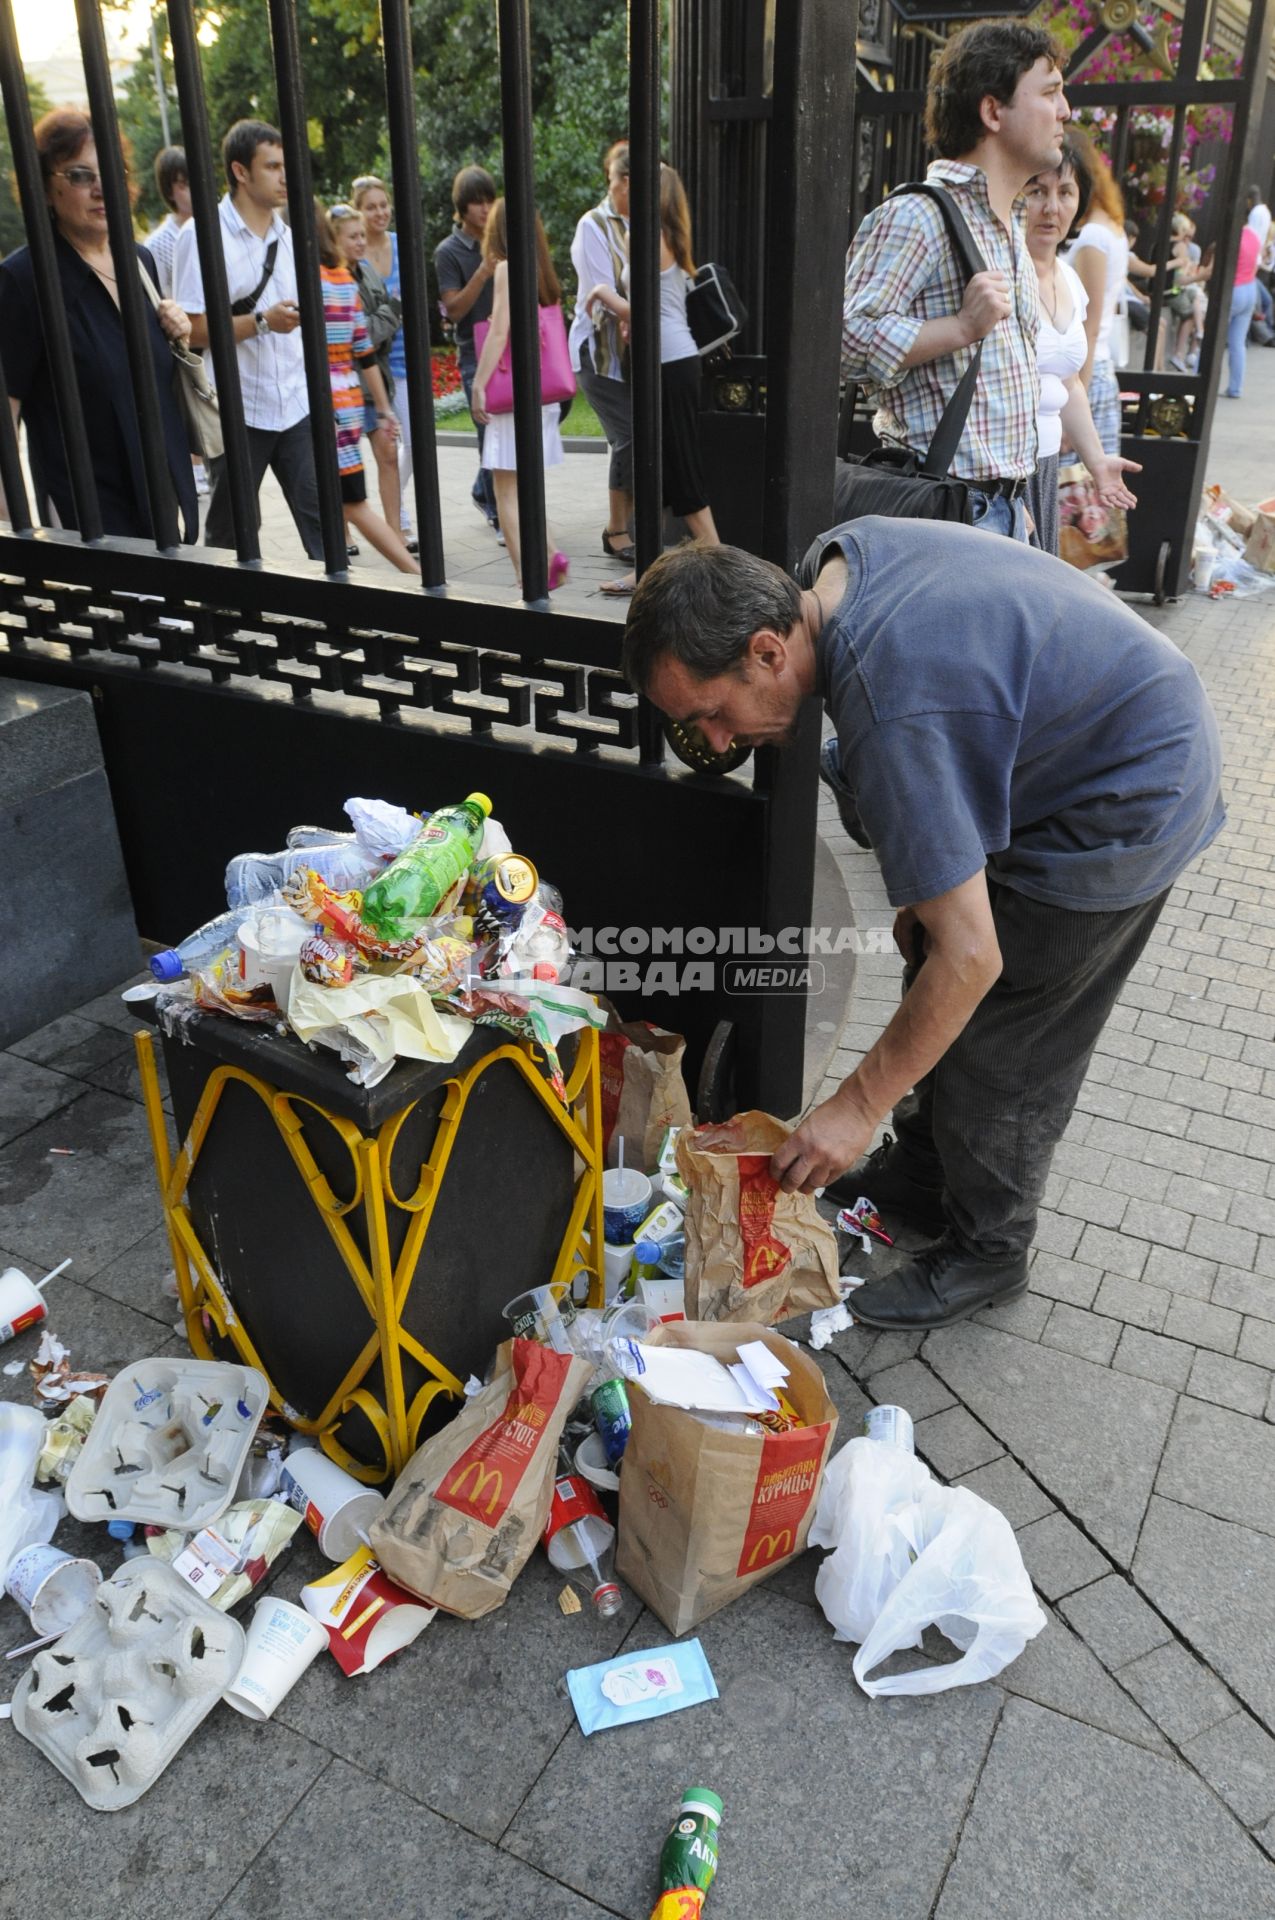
x=1033, y=766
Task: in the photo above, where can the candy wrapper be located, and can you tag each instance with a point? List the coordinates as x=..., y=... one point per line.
x=63, y=1439
x=56, y=1381
x=862, y=1220
x=542, y=1014
x=217, y=988
x=326, y=961
x=226, y=1561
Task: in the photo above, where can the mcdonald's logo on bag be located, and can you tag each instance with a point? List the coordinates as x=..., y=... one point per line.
x=483, y=1477
x=776, y=1544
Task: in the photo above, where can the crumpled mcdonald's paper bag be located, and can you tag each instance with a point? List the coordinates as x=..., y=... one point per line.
x=753, y=1252
x=705, y=1513
x=465, y=1514
x=391, y=1017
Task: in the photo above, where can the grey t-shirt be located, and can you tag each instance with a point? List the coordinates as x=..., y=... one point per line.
x=456, y=261
x=994, y=707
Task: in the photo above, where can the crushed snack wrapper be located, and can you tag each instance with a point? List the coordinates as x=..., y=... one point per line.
x=63, y=1439
x=862, y=1218
x=224, y=1562
x=327, y=961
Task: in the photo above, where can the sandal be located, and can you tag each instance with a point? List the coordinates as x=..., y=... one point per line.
x=618, y=589
x=625, y=553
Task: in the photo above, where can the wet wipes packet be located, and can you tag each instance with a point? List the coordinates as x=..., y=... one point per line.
x=640, y=1686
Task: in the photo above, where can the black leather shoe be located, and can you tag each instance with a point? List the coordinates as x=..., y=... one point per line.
x=940, y=1284
x=885, y=1180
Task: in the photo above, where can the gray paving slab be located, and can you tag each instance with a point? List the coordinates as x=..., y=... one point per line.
x=1216, y=1582
x=177, y=1849
x=776, y=1745
x=1008, y=1488
x=1058, y=1556
x=1237, y=1384
x=47, y=1042
x=1237, y=1758
x=465, y=1719
x=93, y=1200
x=136, y=1278
x=28, y=1093
x=955, y=1443
x=1115, y=1621
x=1222, y=1463
x=1069, y=1822
x=354, y=1846
x=1151, y=1357
x=912, y=1386
x=1092, y=1437
x=1058, y=1670
x=101, y=1334
x=1181, y=1694
x=1074, y=1331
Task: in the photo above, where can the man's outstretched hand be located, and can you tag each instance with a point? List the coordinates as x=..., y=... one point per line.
x=828, y=1141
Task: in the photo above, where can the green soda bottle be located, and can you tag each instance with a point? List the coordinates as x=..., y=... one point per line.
x=408, y=893
x=688, y=1859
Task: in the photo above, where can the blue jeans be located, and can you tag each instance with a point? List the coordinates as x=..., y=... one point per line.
x=482, y=490
x=995, y=514
x=1243, y=300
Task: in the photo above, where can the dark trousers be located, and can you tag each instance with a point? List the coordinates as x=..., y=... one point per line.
x=483, y=490
x=290, y=457
x=984, y=1123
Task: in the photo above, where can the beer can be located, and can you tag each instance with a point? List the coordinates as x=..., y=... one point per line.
x=612, y=1418
x=506, y=884
x=890, y=1425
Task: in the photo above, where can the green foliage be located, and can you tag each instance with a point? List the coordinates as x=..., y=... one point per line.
x=12, y=231
x=138, y=111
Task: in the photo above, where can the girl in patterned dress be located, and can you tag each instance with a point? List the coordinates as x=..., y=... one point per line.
x=351, y=359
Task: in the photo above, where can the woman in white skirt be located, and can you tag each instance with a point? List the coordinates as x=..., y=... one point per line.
x=499, y=451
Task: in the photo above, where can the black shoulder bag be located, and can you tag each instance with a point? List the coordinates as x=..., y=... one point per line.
x=249, y=301
x=894, y=480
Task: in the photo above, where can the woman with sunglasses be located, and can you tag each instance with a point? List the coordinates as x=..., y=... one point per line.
x=90, y=290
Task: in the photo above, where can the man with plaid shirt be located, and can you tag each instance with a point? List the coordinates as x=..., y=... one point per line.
x=995, y=113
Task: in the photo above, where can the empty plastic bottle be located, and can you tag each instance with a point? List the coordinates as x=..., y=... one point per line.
x=342, y=864
x=579, y=1538
x=688, y=1858
x=206, y=943
x=411, y=888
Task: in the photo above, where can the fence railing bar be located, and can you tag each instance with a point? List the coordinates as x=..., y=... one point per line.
x=205, y=194
x=400, y=105
x=644, y=298
x=48, y=282
x=12, y=480
x=514, y=24
x=133, y=304
x=305, y=253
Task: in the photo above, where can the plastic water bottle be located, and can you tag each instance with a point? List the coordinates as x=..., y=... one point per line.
x=579, y=1538
x=251, y=877
x=412, y=888
x=198, y=948
x=688, y=1858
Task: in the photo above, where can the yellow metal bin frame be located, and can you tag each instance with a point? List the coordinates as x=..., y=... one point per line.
x=382, y=1282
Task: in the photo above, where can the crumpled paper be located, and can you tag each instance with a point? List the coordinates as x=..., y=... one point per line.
x=232, y=1556
x=55, y=1381
x=63, y=1439
x=390, y=1018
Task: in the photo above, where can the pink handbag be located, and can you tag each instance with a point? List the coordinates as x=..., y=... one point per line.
x=557, y=381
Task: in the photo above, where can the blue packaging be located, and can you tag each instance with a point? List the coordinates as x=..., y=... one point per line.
x=640, y=1686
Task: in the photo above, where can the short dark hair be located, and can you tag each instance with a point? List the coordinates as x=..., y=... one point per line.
x=701, y=606
x=470, y=184
x=989, y=57
x=241, y=143
x=170, y=167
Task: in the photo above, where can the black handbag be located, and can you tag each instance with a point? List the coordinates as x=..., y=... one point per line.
x=714, y=311
x=895, y=481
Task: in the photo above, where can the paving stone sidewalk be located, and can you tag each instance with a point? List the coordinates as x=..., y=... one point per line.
x=1120, y=1415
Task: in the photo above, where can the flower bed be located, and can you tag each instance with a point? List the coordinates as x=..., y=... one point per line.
x=449, y=394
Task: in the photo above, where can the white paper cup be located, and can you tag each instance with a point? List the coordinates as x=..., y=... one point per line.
x=22, y=1305
x=52, y=1588
x=591, y=1462
x=335, y=1506
x=617, y=1261
x=282, y=1641
x=626, y=1201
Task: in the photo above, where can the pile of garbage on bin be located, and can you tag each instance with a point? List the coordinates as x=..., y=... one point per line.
x=1233, y=554
x=671, y=1446
x=385, y=942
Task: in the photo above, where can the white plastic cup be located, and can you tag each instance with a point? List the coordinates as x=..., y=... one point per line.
x=337, y=1508
x=542, y=1314
x=269, y=942
x=282, y=1641
x=22, y=1305
x=52, y=1588
x=617, y=1261
x=626, y=1201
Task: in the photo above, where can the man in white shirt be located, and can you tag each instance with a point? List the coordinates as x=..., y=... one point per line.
x=261, y=279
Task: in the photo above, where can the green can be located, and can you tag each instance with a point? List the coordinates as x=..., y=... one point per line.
x=612, y=1418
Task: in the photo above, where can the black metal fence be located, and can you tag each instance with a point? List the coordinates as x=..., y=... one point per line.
x=234, y=698
x=1168, y=416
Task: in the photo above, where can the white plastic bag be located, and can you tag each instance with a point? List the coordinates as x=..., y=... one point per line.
x=909, y=1554
x=27, y=1518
